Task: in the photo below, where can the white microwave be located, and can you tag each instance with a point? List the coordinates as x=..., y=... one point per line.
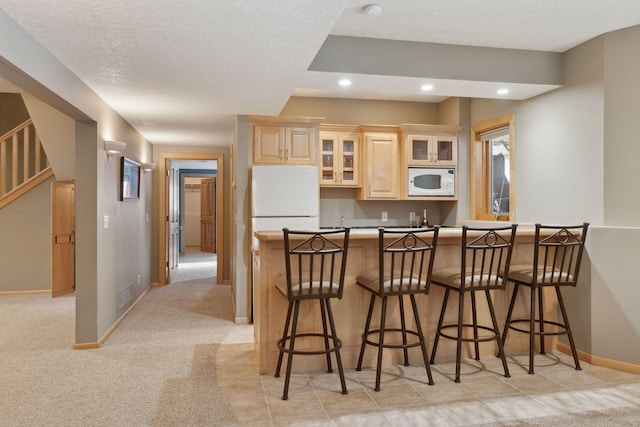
x=425, y=182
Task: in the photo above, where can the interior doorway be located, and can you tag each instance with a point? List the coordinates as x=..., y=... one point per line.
x=171, y=200
x=62, y=238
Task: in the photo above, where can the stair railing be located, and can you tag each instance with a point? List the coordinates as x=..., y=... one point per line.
x=23, y=162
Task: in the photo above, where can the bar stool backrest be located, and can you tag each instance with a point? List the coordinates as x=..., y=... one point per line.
x=558, y=254
x=315, y=263
x=406, y=259
x=486, y=257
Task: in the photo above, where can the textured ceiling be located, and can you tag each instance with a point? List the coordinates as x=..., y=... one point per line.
x=180, y=71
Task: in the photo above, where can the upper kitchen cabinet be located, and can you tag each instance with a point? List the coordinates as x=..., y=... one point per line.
x=381, y=159
x=339, y=156
x=284, y=141
x=430, y=145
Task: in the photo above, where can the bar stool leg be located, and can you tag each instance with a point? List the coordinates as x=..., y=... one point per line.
x=365, y=335
x=336, y=344
x=541, y=313
x=532, y=323
x=284, y=338
x=459, y=337
x=509, y=313
x=568, y=328
x=474, y=316
x=403, y=325
x=381, y=343
x=497, y=332
x=285, y=394
x=423, y=345
x=440, y=321
x=326, y=336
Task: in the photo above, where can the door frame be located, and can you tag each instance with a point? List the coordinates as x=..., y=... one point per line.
x=162, y=215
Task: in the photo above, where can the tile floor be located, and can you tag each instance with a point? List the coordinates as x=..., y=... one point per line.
x=556, y=395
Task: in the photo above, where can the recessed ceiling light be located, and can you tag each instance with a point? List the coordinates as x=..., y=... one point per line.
x=372, y=9
x=502, y=91
x=344, y=82
x=427, y=87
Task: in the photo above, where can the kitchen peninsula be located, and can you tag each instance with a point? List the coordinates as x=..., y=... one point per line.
x=351, y=311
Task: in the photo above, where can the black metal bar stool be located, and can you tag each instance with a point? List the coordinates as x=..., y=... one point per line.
x=405, y=265
x=315, y=267
x=485, y=258
x=556, y=262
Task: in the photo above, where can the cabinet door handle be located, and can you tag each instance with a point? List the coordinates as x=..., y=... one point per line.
x=369, y=189
x=335, y=176
x=286, y=154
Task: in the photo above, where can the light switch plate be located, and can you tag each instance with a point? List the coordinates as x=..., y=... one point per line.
x=106, y=221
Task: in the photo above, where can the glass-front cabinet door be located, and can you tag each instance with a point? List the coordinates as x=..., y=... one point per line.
x=419, y=149
x=427, y=150
x=349, y=161
x=339, y=159
x=445, y=150
x=328, y=174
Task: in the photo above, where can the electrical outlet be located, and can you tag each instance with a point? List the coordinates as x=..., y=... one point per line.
x=385, y=216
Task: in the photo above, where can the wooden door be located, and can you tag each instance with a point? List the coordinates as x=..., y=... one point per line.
x=173, y=221
x=62, y=238
x=208, y=215
x=268, y=144
x=300, y=147
x=382, y=166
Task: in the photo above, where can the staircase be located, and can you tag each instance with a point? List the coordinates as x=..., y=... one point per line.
x=23, y=162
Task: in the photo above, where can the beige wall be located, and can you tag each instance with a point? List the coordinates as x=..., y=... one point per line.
x=337, y=203
x=25, y=252
x=192, y=207
x=621, y=112
x=241, y=220
x=108, y=260
x=358, y=111
x=575, y=161
x=12, y=111
x=558, y=148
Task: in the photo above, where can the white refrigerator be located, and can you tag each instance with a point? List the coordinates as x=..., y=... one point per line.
x=284, y=196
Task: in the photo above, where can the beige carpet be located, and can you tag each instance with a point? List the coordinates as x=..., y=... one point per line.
x=158, y=368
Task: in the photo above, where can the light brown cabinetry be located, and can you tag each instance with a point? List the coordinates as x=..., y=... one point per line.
x=430, y=145
x=339, y=156
x=284, y=143
x=381, y=157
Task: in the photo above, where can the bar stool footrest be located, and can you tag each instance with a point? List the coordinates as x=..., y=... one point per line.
x=564, y=330
x=385, y=345
x=282, y=344
x=464, y=339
